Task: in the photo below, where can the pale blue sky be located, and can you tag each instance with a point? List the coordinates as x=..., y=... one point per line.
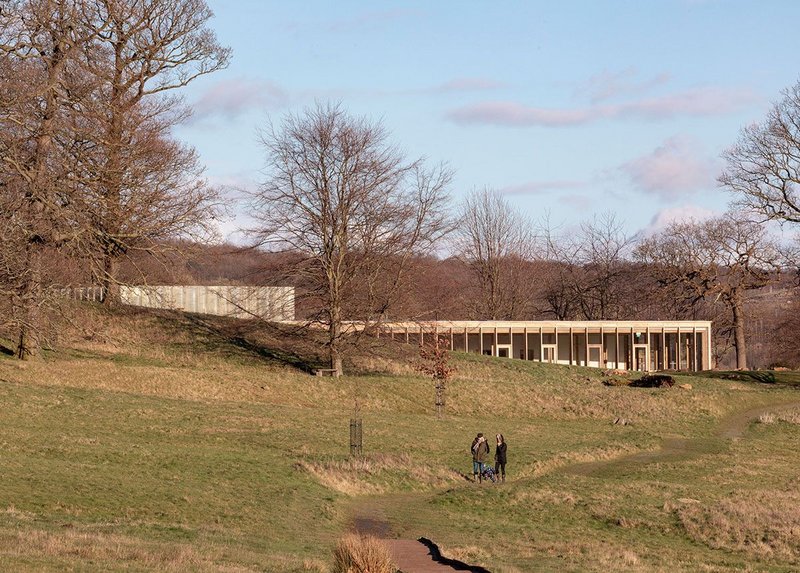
x=574, y=107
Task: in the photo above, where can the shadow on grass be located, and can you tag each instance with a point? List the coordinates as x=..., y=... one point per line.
x=229, y=338
x=760, y=376
x=455, y=564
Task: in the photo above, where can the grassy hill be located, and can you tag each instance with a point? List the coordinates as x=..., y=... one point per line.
x=160, y=441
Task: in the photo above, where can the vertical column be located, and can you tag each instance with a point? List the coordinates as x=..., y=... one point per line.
x=678, y=348
x=571, y=346
x=480, y=333
x=495, y=353
x=647, y=352
x=555, y=358
x=631, y=352
x=541, y=345
x=586, y=346
x=421, y=336
x=525, y=347
x=602, y=348
x=616, y=347
x=466, y=339
x=407, y=340
x=452, y=341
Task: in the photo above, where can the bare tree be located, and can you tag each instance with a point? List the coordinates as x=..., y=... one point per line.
x=720, y=260
x=763, y=168
x=41, y=86
x=496, y=242
x=435, y=362
x=591, y=271
x=146, y=187
x=339, y=194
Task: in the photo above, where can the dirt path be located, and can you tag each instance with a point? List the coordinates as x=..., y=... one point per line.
x=414, y=556
x=679, y=449
x=410, y=555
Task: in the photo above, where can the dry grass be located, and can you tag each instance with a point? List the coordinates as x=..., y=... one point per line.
x=375, y=474
x=563, y=459
x=765, y=523
x=789, y=416
x=362, y=554
x=100, y=548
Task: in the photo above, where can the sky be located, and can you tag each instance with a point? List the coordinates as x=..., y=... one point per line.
x=570, y=108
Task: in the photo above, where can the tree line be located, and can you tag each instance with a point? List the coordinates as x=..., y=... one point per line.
x=94, y=189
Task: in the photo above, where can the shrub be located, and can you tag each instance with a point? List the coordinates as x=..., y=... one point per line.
x=362, y=554
x=654, y=381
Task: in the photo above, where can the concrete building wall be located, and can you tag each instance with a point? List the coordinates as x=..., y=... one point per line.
x=268, y=303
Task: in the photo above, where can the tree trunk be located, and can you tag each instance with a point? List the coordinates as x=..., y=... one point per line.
x=110, y=287
x=28, y=340
x=334, y=339
x=737, y=306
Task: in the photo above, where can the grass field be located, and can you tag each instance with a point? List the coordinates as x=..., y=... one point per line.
x=158, y=442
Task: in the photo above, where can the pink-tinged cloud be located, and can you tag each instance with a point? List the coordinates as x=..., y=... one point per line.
x=231, y=98
x=517, y=115
x=696, y=102
x=610, y=85
x=541, y=187
x=675, y=168
x=468, y=84
x=680, y=214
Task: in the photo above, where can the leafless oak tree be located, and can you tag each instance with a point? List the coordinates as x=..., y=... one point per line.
x=146, y=187
x=763, y=168
x=719, y=259
x=41, y=87
x=337, y=192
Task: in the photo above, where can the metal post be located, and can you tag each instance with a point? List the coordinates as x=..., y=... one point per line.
x=356, y=441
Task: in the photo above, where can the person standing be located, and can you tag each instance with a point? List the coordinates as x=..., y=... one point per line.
x=480, y=451
x=500, y=458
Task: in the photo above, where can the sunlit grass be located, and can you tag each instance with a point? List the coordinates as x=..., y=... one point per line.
x=161, y=454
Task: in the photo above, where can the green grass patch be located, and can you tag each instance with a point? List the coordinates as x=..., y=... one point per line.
x=181, y=456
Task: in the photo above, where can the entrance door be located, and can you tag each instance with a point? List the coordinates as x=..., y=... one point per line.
x=503, y=350
x=640, y=361
x=549, y=353
x=595, y=352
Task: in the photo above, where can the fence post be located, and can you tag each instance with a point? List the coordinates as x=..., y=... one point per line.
x=355, y=437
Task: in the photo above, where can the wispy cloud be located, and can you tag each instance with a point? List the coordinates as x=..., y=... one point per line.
x=541, y=187
x=673, y=169
x=371, y=20
x=467, y=84
x=611, y=85
x=682, y=213
x=231, y=98
x=707, y=101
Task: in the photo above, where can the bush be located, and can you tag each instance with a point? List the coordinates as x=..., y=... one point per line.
x=362, y=554
x=654, y=381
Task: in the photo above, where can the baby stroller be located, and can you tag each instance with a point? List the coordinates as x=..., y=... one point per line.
x=488, y=473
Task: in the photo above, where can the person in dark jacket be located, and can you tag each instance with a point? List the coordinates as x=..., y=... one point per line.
x=500, y=458
x=480, y=451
